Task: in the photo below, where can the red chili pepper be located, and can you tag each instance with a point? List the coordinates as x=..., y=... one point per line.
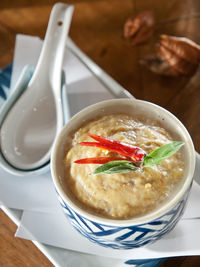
x=97, y=160
x=134, y=152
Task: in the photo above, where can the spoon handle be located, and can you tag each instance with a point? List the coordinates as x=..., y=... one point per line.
x=50, y=61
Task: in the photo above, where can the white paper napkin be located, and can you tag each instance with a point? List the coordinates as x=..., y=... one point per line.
x=28, y=193
x=37, y=197
x=183, y=240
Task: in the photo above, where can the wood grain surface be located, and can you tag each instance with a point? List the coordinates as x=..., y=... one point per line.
x=97, y=28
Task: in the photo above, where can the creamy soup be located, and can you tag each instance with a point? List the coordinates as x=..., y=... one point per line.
x=121, y=195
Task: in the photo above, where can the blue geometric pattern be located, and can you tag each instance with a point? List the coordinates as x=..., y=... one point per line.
x=125, y=237
x=5, y=76
x=145, y=262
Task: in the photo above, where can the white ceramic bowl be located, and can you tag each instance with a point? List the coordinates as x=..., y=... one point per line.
x=129, y=233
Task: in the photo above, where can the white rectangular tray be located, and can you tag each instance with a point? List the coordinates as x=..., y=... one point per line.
x=61, y=257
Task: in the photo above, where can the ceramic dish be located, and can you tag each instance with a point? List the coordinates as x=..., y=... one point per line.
x=129, y=233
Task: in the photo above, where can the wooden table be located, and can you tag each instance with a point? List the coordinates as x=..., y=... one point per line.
x=97, y=28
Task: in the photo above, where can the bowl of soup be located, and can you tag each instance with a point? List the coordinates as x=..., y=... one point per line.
x=122, y=209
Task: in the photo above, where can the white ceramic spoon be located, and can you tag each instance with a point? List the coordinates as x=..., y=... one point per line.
x=30, y=127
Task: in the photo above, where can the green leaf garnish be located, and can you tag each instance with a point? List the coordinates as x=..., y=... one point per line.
x=117, y=166
x=162, y=153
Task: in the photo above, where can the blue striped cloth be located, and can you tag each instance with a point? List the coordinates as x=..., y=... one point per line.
x=5, y=77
